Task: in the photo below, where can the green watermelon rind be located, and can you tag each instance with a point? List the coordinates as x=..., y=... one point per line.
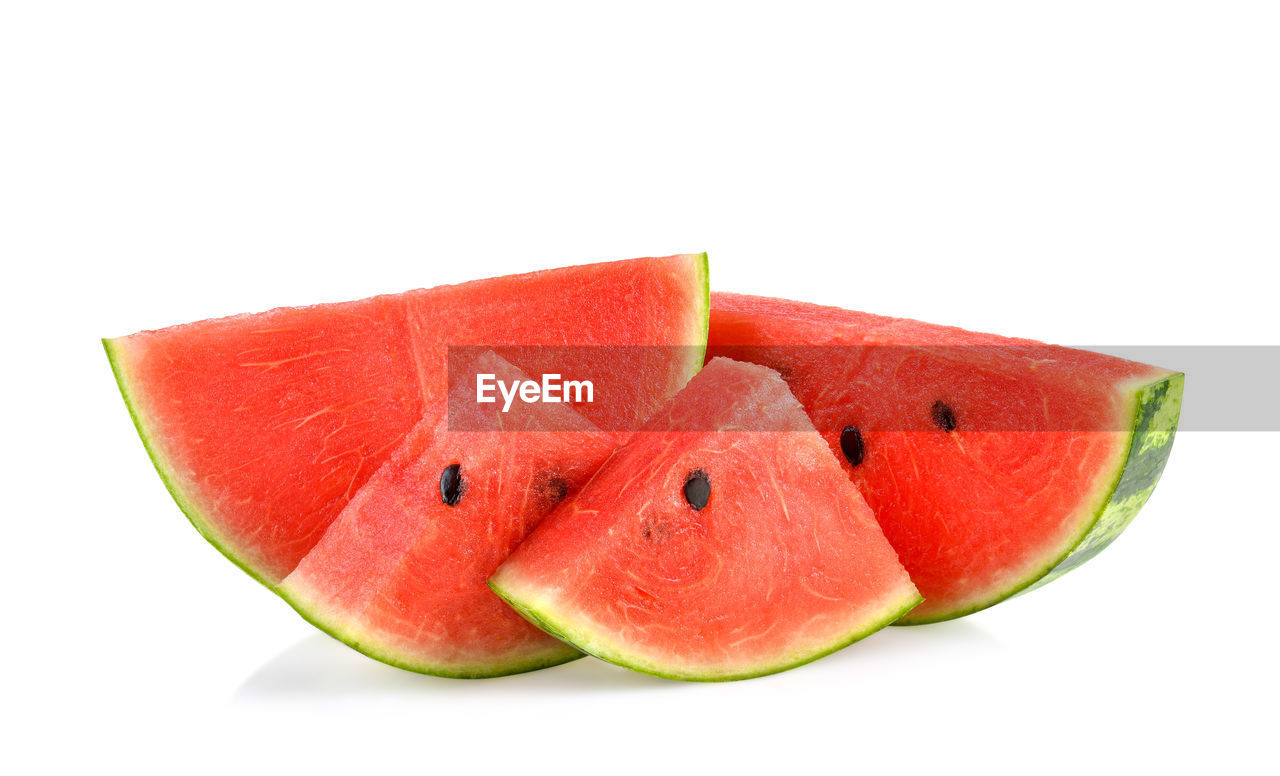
x=1157, y=406
x=158, y=460
x=704, y=275
x=361, y=641
x=582, y=640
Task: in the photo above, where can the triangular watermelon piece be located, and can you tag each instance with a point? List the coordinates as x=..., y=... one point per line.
x=993, y=464
x=400, y=574
x=263, y=426
x=723, y=541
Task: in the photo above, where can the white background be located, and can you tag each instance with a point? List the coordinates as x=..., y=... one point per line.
x=1086, y=172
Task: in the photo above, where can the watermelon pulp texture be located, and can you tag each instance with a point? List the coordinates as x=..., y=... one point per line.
x=992, y=464
x=264, y=426
x=783, y=564
x=400, y=574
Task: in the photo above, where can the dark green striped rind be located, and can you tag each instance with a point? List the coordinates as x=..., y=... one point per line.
x=1157, y=407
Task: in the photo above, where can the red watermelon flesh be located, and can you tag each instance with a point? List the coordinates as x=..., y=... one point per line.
x=991, y=463
x=263, y=426
x=782, y=564
x=400, y=574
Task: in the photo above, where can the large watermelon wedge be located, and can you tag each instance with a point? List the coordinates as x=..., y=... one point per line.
x=400, y=574
x=264, y=426
x=992, y=464
x=705, y=550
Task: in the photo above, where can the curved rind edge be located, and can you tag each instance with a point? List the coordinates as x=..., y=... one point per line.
x=1157, y=407
x=704, y=273
x=168, y=477
x=354, y=638
x=556, y=627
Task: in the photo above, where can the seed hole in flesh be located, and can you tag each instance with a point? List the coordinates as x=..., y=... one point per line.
x=654, y=530
x=852, y=446
x=943, y=417
x=556, y=488
x=697, y=489
x=451, y=484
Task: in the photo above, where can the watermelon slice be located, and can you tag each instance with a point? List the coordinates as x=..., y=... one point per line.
x=264, y=426
x=704, y=551
x=400, y=575
x=992, y=464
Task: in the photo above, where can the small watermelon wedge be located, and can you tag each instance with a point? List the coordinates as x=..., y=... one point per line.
x=994, y=465
x=264, y=426
x=704, y=550
x=400, y=574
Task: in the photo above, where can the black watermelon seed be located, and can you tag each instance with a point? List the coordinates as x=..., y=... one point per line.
x=851, y=445
x=943, y=417
x=697, y=489
x=451, y=484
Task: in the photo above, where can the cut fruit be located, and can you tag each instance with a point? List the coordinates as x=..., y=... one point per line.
x=400, y=575
x=704, y=550
x=263, y=426
x=993, y=464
